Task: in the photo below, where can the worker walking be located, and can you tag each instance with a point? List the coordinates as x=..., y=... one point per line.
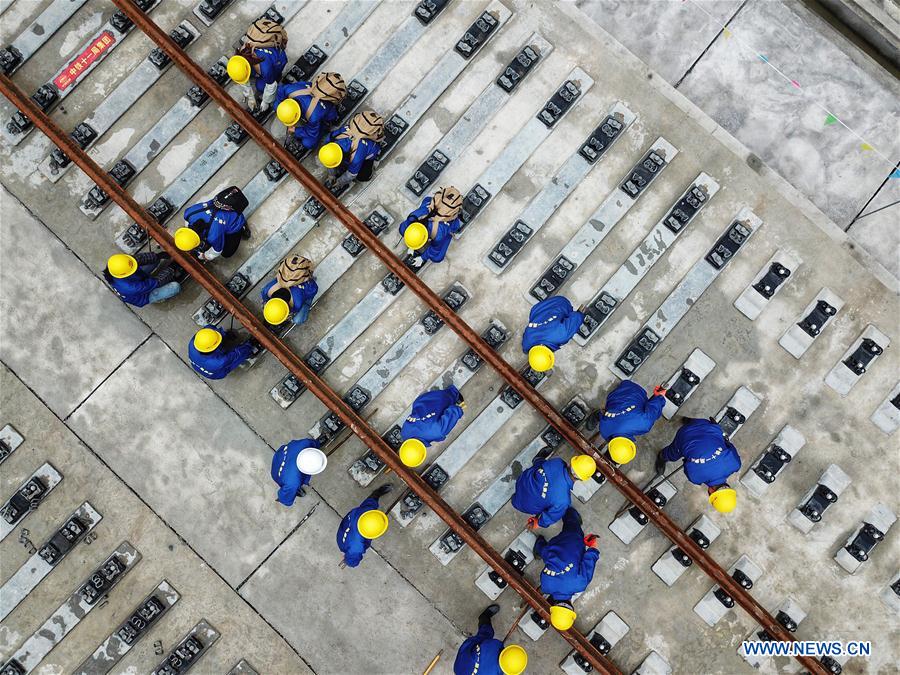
x=361, y=526
x=293, y=465
x=429, y=229
x=215, y=228
x=551, y=324
x=629, y=413
x=709, y=459
x=214, y=360
x=291, y=292
x=142, y=279
x=261, y=58
x=544, y=489
x=351, y=151
x=309, y=109
x=569, y=561
x=483, y=654
x=431, y=419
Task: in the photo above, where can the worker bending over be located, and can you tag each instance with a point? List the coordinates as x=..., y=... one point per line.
x=431, y=419
x=215, y=228
x=709, y=459
x=212, y=359
x=291, y=292
x=309, y=109
x=429, y=229
x=351, y=151
x=261, y=58
x=293, y=465
x=142, y=279
x=629, y=413
x=544, y=489
x=361, y=526
x=483, y=654
x=551, y=324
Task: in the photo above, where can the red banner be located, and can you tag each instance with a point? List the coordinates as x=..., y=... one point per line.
x=82, y=62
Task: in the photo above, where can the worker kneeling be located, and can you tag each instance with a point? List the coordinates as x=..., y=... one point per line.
x=308, y=109
x=361, y=526
x=293, y=466
x=629, y=413
x=544, y=489
x=290, y=293
x=431, y=419
x=142, y=279
x=551, y=324
x=351, y=151
x=211, y=358
x=261, y=58
x=428, y=231
x=215, y=228
x=485, y=655
x=709, y=459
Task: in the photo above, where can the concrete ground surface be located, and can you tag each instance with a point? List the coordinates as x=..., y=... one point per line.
x=180, y=467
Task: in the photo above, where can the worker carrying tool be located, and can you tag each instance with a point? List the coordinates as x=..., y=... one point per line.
x=262, y=58
x=291, y=292
x=551, y=324
x=629, y=413
x=544, y=489
x=351, y=151
x=569, y=561
x=431, y=419
x=213, y=359
x=215, y=228
x=144, y=278
x=309, y=109
x=709, y=459
x=361, y=526
x=483, y=654
x=293, y=465
x=428, y=231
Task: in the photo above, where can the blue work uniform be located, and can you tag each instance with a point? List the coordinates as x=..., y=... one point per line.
x=314, y=123
x=220, y=361
x=479, y=654
x=351, y=543
x=709, y=458
x=271, y=67
x=436, y=248
x=433, y=416
x=630, y=412
x=135, y=288
x=366, y=149
x=302, y=296
x=552, y=323
x=213, y=224
x=285, y=472
x=568, y=563
x=544, y=489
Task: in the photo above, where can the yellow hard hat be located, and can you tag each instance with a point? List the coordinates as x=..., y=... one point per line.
x=331, y=155
x=541, y=358
x=276, y=311
x=622, y=450
x=513, y=660
x=207, y=339
x=724, y=500
x=416, y=236
x=238, y=69
x=562, y=616
x=583, y=466
x=121, y=265
x=412, y=452
x=186, y=239
x=288, y=112
x=372, y=524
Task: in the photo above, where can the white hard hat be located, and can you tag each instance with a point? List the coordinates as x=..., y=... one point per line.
x=311, y=461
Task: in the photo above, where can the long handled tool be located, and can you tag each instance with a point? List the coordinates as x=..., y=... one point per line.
x=516, y=622
x=433, y=662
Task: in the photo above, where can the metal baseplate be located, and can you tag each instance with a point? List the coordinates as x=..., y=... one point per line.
x=822, y=495
x=860, y=544
x=518, y=554
x=773, y=460
x=716, y=603
x=684, y=382
x=857, y=360
x=604, y=636
x=890, y=594
x=190, y=650
x=653, y=664
x=673, y=563
x=28, y=497
x=633, y=521
x=737, y=411
x=10, y=440
x=767, y=283
x=789, y=614
x=814, y=319
x=209, y=10
x=887, y=416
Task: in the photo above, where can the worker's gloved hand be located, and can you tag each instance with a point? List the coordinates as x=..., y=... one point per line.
x=209, y=254
x=591, y=540
x=417, y=261
x=658, y=390
x=344, y=179
x=532, y=523
x=660, y=464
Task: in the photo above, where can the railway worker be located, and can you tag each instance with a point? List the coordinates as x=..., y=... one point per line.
x=429, y=229
x=485, y=655
x=293, y=465
x=215, y=228
x=551, y=324
x=569, y=561
x=544, y=489
x=309, y=109
x=709, y=459
x=261, y=58
x=629, y=413
x=434, y=414
x=291, y=292
x=212, y=359
x=142, y=279
x=361, y=526
x=351, y=151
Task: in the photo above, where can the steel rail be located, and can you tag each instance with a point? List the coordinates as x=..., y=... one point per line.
x=273, y=148
x=298, y=367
